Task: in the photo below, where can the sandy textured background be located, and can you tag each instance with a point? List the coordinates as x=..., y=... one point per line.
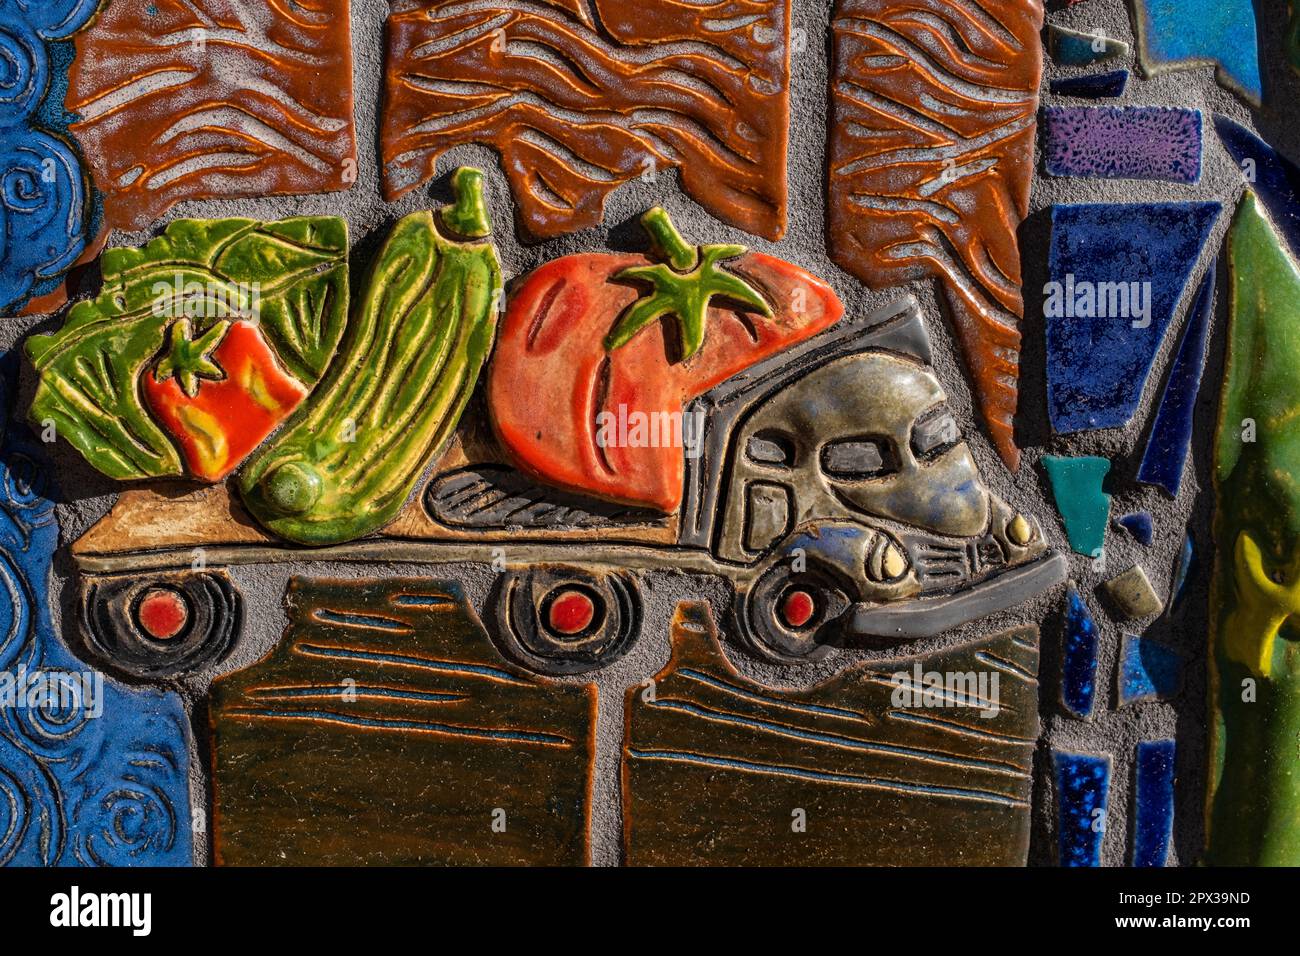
x=87, y=495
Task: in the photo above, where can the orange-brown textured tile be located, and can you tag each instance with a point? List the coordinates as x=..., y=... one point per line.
x=581, y=97
x=203, y=99
x=931, y=156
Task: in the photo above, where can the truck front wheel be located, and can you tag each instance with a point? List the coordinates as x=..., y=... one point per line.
x=784, y=615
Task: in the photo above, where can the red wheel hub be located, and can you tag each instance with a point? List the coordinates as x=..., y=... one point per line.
x=798, y=608
x=162, y=613
x=571, y=612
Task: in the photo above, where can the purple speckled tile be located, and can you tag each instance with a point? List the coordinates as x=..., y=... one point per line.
x=1129, y=142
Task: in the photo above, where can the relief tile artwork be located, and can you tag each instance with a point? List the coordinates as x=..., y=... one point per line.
x=161, y=121
x=129, y=379
x=930, y=159
x=590, y=434
x=386, y=729
x=580, y=98
x=710, y=775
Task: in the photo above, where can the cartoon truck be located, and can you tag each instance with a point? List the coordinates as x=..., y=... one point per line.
x=710, y=414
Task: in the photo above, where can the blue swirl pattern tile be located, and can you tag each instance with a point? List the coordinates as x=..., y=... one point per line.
x=1117, y=274
x=1153, y=803
x=100, y=777
x=1082, y=790
x=43, y=189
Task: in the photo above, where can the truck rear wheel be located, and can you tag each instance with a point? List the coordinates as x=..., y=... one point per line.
x=784, y=615
x=556, y=619
x=168, y=624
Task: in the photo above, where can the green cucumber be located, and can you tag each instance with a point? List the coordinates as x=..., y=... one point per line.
x=346, y=462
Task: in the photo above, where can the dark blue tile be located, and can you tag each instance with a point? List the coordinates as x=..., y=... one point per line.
x=1117, y=273
x=1153, y=802
x=1274, y=177
x=100, y=777
x=1138, y=524
x=1078, y=657
x=1082, y=788
x=1183, y=571
x=1171, y=434
x=1095, y=86
x=1148, y=671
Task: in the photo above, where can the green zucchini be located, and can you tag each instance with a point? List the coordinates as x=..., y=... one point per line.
x=346, y=462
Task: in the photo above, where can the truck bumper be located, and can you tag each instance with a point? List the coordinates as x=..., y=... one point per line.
x=926, y=617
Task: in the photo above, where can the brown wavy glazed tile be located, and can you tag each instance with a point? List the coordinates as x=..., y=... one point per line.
x=931, y=156
x=581, y=96
x=385, y=729
x=872, y=767
x=203, y=99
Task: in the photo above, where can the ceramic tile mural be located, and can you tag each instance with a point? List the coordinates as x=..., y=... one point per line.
x=566, y=433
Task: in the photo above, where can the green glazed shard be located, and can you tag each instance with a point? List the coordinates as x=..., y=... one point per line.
x=291, y=276
x=1254, y=792
x=1084, y=507
x=346, y=462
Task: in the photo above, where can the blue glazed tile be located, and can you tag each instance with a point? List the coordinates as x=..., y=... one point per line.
x=1076, y=48
x=1082, y=788
x=1117, y=273
x=102, y=776
x=1273, y=177
x=43, y=206
x=1153, y=803
x=1078, y=657
x=1084, y=507
x=1097, y=86
x=1123, y=142
x=1183, y=571
x=1183, y=34
x=1138, y=525
x=1171, y=434
x=1148, y=671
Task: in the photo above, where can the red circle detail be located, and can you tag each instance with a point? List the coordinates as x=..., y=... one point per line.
x=798, y=608
x=571, y=612
x=163, y=613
